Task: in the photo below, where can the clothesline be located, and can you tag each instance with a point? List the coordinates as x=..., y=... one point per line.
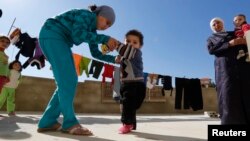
x=29, y=47
x=86, y=61
x=39, y=61
x=82, y=64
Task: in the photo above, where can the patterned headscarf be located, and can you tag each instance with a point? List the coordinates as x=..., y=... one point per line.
x=107, y=12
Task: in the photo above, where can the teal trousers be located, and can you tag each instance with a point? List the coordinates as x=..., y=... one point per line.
x=59, y=54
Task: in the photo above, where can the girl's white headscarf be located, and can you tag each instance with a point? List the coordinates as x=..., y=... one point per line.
x=216, y=19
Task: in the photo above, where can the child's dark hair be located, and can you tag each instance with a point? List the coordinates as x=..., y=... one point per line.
x=241, y=15
x=244, y=16
x=136, y=33
x=92, y=7
x=12, y=63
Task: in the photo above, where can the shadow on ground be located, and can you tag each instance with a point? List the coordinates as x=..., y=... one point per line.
x=163, y=137
x=141, y=119
x=9, y=127
x=80, y=138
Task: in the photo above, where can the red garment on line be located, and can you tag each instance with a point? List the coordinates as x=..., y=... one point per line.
x=108, y=72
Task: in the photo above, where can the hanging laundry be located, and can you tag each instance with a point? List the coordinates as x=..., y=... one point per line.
x=180, y=84
x=190, y=89
x=117, y=84
x=77, y=59
x=96, y=68
x=151, y=80
x=27, y=46
x=108, y=72
x=38, y=59
x=167, y=83
x=195, y=94
x=84, y=65
x=24, y=42
x=81, y=64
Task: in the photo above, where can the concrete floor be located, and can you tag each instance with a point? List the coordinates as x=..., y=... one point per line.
x=105, y=128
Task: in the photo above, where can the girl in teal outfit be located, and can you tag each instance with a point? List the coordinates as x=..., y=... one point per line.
x=56, y=38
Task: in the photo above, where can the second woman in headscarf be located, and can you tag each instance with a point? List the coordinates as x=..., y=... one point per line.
x=223, y=46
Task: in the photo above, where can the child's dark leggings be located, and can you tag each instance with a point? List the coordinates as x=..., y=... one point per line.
x=133, y=94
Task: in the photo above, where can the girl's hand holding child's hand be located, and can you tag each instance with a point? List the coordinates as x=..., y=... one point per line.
x=112, y=44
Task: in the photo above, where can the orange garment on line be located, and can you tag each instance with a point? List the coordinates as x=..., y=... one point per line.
x=81, y=63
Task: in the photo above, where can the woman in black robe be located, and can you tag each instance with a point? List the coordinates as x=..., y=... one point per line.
x=231, y=93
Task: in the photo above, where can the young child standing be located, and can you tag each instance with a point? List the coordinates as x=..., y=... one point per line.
x=133, y=88
x=241, y=27
x=56, y=38
x=4, y=44
x=9, y=89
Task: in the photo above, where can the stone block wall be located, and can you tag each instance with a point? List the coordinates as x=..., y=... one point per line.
x=34, y=93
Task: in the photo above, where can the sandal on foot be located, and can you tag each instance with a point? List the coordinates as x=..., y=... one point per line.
x=78, y=130
x=55, y=127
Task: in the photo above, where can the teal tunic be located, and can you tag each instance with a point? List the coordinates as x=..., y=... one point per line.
x=75, y=27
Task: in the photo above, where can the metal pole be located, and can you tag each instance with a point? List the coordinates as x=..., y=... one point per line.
x=11, y=26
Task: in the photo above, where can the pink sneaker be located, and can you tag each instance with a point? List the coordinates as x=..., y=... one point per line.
x=125, y=129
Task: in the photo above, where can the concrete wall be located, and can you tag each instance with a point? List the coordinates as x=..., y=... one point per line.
x=34, y=93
